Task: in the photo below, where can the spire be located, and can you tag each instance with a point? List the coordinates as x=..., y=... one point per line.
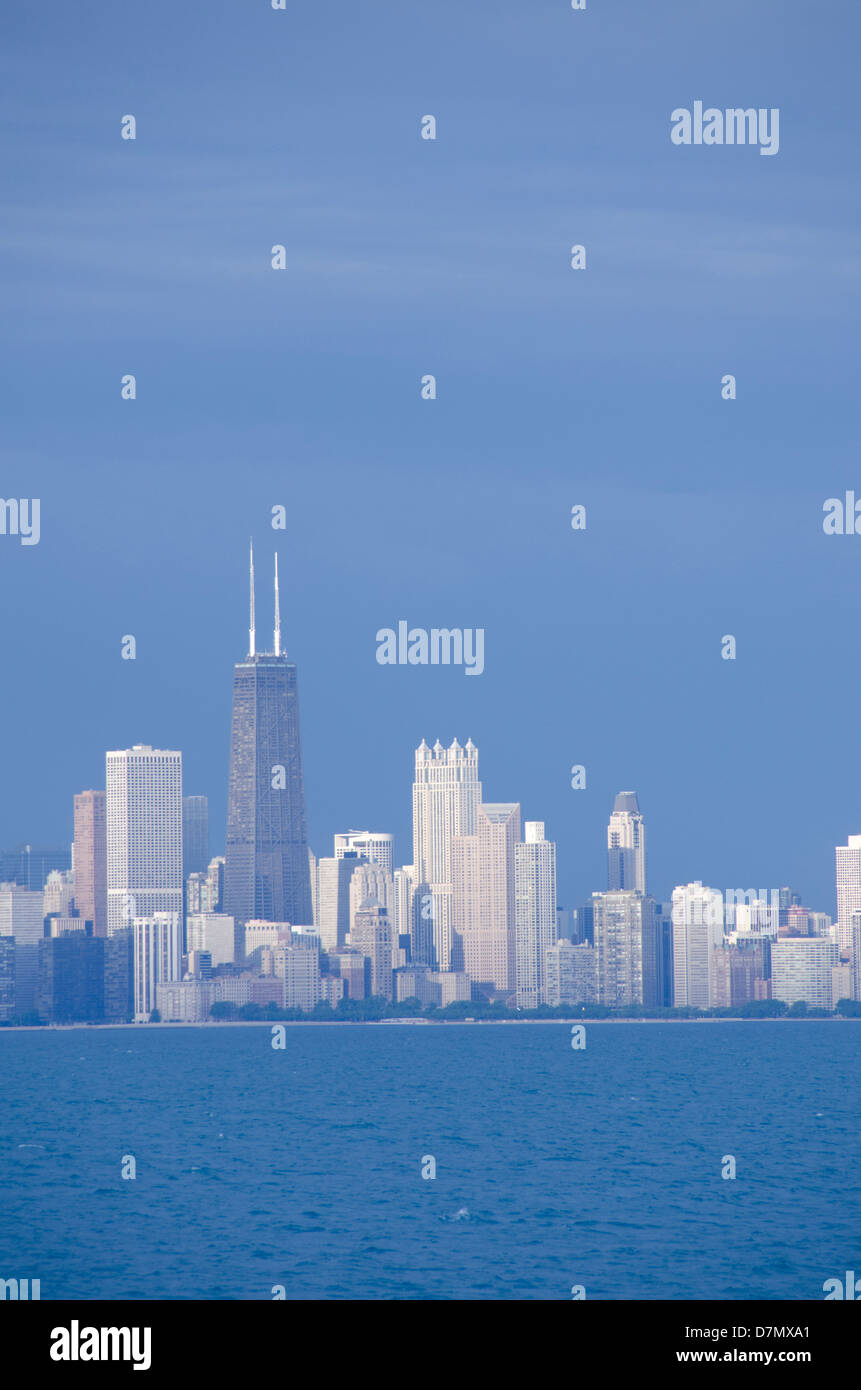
x=277, y=612
x=251, y=646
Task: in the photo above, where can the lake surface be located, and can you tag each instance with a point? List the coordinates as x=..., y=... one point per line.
x=554, y=1167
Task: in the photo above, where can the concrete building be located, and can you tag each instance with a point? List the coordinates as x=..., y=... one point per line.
x=697, y=929
x=157, y=953
x=144, y=834
x=446, y=797
x=627, y=957
x=626, y=846
x=535, y=913
x=801, y=969
x=483, y=906
x=571, y=973
x=372, y=935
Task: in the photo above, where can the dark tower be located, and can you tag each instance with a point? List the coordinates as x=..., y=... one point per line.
x=267, y=874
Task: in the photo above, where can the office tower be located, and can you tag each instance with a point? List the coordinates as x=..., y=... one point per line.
x=214, y=933
x=446, y=797
x=848, y=888
x=372, y=935
x=333, y=899
x=697, y=929
x=144, y=833
x=855, y=956
x=571, y=973
x=29, y=866
x=267, y=872
x=71, y=986
x=483, y=915
x=801, y=970
x=627, y=966
x=91, y=860
x=375, y=846
x=21, y=917
x=626, y=846
x=257, y=936
x=195, y=835
x=819, y=923
x=157, y=952
x=535, y=913
x=8, y=1009
x=200, y=965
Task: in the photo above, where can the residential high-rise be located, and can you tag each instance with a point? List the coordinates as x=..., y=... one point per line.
x=267, y=872
x=333, y=898
x=91, y=860
x=371, y=934
x=144, y=833
x=801, y=969
x=697, y=929
x=848, y=888
x=214, y=933
x=483, y=912
x=627, y=954
x=626, y=846
x=446, y=797
x=157, y=954
x=195, y=835
x=535, y=913
x=571, y=976
x=375, y=846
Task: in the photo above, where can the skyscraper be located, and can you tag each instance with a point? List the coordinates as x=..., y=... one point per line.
x=698, y=920
x=157, y=952
x=371, y=934
x=627, y=951
x=535, y=913
x=626, y=846
x=195, y=835
x=484, y=903
x=91, y=860
x=446, y=797
x=848, y=888
x=267, y=873
x=144, y=833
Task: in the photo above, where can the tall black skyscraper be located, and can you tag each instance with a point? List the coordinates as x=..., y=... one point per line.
x=266, y=874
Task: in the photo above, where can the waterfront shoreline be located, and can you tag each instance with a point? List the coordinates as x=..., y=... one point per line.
x=388, y=1023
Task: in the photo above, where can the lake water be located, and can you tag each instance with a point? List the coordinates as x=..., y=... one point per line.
x=554, y=1167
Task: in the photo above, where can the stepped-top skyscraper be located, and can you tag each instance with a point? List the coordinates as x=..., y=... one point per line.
x=626, y=846
x=267, y=875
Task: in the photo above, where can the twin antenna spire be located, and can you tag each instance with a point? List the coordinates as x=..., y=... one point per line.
x=252, y=649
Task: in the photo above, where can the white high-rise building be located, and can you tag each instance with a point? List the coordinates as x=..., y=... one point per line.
x=144, y=834
x=483, y=899
x=446, y=797
x=403, y=884
x=848, y=888
x=535, y=913
x=157, y=957
x=626, y=846
x=697, y=930
x=334, y=876
x=375, y=846
x=801, y=969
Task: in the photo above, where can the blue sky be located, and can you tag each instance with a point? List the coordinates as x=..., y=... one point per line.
x=406, y=256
